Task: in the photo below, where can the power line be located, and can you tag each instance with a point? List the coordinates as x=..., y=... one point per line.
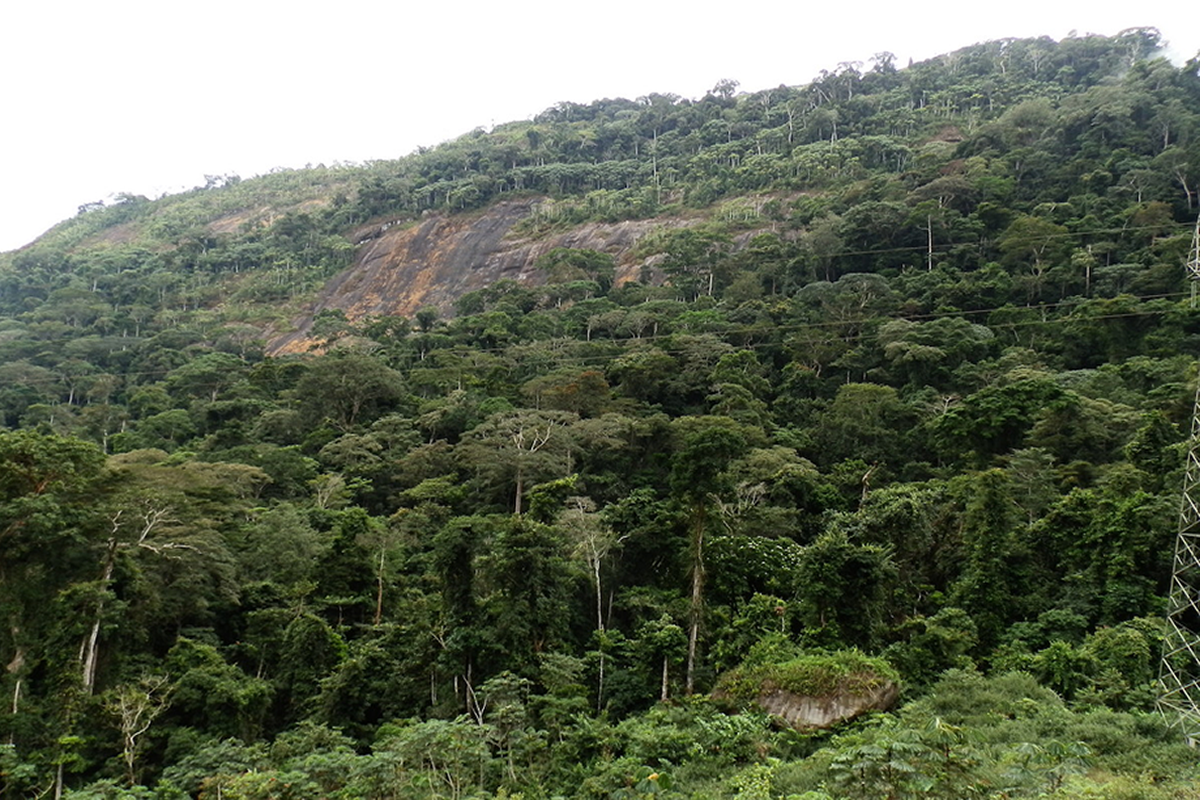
x=632, y=343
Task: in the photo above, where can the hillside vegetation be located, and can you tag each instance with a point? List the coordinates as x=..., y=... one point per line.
x=890, y=379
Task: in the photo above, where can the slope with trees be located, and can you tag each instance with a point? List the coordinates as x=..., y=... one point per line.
x=908, y=390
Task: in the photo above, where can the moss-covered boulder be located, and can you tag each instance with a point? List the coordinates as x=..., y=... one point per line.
x=814, y=691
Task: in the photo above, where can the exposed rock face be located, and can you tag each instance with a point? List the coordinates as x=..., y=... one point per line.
x=822, y=712
x=404, y=267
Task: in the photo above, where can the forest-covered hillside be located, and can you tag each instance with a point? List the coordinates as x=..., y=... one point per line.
x=894, y=386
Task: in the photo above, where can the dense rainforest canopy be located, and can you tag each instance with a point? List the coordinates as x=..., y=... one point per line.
x=904, y=382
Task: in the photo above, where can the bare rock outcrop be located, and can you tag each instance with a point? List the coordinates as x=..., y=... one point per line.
x=802, y=712
x=813, y=691
x=402, y=267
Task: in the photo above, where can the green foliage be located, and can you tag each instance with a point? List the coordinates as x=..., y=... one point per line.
x=819, y=675
x=214, y=695
x=841, y=588
x=903, y=365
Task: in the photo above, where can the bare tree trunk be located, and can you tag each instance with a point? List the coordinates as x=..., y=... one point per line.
x=379, y=589
x=14, y=668
x=599, y=594
x=1087, y=277
x=654, y=167
x=90, y=648
x=1182, y=179
x=88, y=653
x=520, y=490
x=663, y=696
x=136, y=707
x=151, y=518
x=600, y=681
x=929, y=232
x=697, y=598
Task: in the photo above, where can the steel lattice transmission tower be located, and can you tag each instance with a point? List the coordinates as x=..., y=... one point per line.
x=1179, y=674
x=1193, y=264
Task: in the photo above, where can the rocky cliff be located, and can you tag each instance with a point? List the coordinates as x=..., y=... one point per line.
x=402, y=267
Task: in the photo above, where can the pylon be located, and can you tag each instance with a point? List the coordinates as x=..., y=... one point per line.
x=1179, y=674
x=1193, y=264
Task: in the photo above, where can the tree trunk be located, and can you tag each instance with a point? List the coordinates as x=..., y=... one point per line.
x=697, y=596
x=1186, y=189
x=520, y=489
x=599, y=595
x=600, y=680
x=929, y=232
x=14, y=668
x=1087, y=277
x=91, y=645
x=379, y=590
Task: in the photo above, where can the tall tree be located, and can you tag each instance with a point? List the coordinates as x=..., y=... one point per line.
x=46, y=526
x=697, y=477
x=990, y=588
x=345, y=390
x=516, y=447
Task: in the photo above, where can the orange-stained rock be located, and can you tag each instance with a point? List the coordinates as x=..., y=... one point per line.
x=403, y=267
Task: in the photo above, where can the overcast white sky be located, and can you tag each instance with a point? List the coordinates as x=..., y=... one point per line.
x=148, y=96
